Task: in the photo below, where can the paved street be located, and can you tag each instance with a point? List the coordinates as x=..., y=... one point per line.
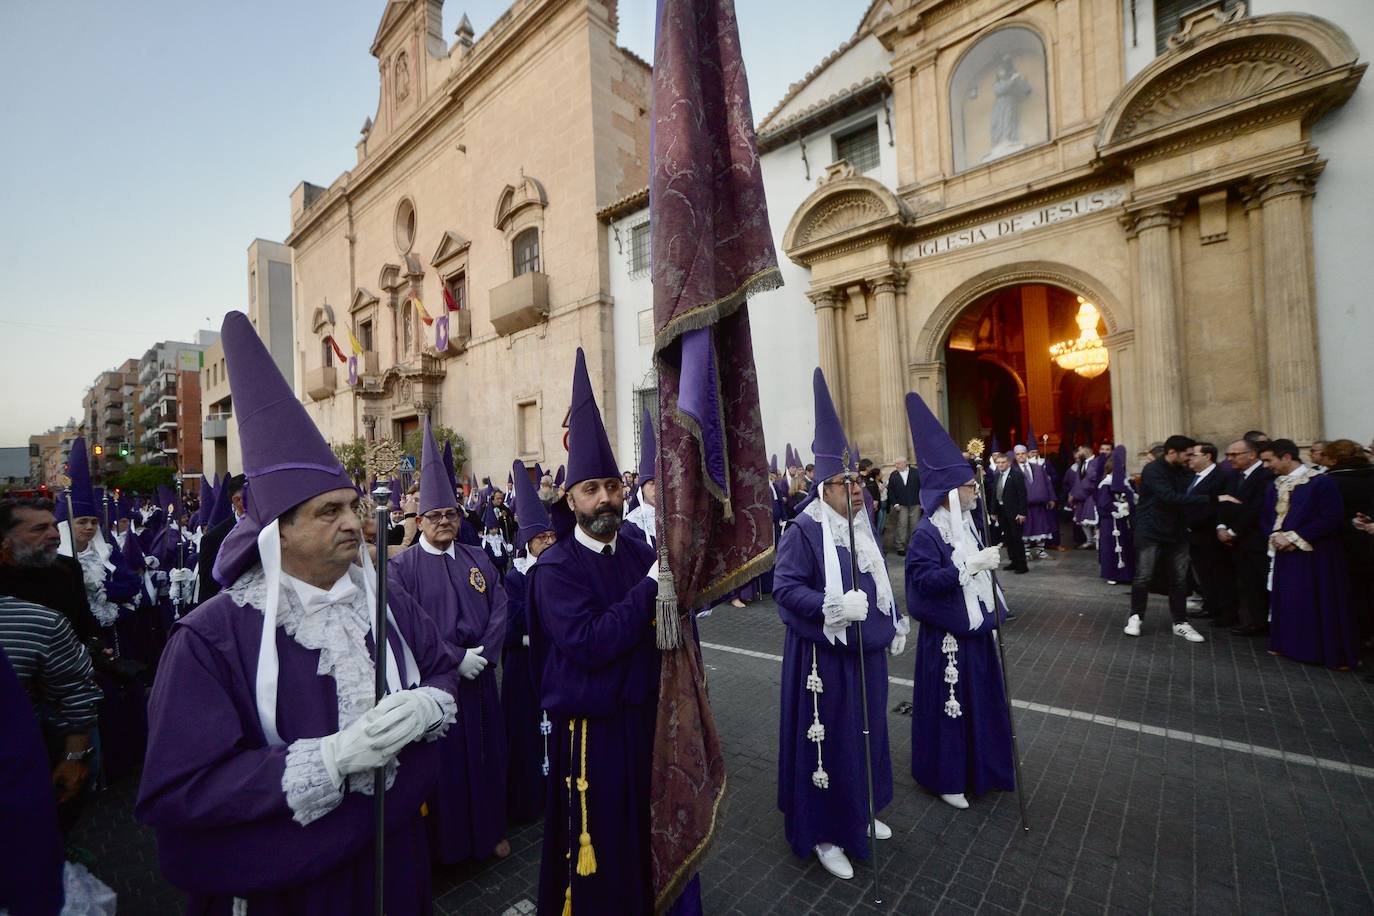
x=1161, y=777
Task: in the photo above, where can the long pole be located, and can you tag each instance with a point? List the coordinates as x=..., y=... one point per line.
x=849, y=480
x=383, y=497
x=1001, y=653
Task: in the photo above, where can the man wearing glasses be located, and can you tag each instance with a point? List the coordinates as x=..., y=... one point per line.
x=459, y=588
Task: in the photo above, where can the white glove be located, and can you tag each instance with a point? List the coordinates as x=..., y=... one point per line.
x=855, y=605
x=472, y=663
x=834, y=616
x=351, y=750
x=401, y=718
x=985, y=559
x=898, y=644
x=525, y=641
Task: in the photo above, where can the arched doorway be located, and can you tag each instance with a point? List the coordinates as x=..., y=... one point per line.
x=1002, y=381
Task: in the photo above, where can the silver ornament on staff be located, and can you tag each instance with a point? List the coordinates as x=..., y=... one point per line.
x=850, y=479
x=383, y=461
x=975, y=448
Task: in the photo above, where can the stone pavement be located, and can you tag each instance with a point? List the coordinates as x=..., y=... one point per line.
x=1161, y=777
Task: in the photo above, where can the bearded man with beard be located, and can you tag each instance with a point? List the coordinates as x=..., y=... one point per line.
x=32, y=570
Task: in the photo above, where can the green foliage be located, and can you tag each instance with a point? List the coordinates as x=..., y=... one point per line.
x=144, y=479
x=415, y=442
x=353, y=456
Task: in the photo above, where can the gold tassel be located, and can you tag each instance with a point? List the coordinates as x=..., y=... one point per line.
x=567, y=901
x=586, y=855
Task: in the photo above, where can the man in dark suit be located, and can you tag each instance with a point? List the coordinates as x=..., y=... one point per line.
x=210, y=542
x=1210, y=560
x=1238, y=528
x=1007, y=496
x=904, y=503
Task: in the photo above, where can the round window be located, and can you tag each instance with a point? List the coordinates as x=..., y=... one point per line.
x=405, y=225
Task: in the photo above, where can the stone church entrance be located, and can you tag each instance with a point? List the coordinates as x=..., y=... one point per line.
x=1003, y=382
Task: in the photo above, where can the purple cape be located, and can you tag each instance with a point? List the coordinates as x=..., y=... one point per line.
x=524, y=743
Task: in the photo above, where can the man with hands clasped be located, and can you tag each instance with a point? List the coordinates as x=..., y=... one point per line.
x=822, y=786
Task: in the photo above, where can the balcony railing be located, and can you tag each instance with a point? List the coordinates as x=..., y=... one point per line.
x=215, y=426
x=520, y=303
x=320, y=382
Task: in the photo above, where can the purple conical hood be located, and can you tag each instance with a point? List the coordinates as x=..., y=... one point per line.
x=489, y=519
x=648, y=449
x=285, y=458
x=1031, y=444
x=773, y=464
x=995, y=447
x=530, y=512
x=436, y=492
x=81, y=493
x=449, y=468
x=224, y=503
x=133, y=554
x=394, y=487
x=941, y=464
x=589, y=448
x=560, y=476
x=167, y=501
x=830, y=446
x=1118, y=484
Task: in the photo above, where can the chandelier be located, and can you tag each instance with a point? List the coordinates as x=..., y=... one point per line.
x=1085, y=355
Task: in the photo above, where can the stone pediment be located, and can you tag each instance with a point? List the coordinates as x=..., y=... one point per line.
x=1228, y=69
x=843, y=209
x=390, y=277
x=362, y=298
x=323, y=315
x=450, y=246
x=514, y=198
x=392, y=16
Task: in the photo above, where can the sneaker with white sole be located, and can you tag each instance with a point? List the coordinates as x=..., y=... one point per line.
x=833, y=860
x=1187, y=632
x=884, y=831
x=955, y=801
x=1132, y=627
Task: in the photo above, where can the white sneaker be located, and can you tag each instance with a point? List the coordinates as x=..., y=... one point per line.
x=955, y=801
x=1187, y=632
x=833, y=860
x=1112, y=582
x=1194, y=601
x=1132, y=627
x=1044, y=554
x=884, y=831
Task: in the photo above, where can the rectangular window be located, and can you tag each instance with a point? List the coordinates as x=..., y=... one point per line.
x=859, y=147
x=639, y=248
x=646, y=327
x=457, y=286
x=527, y=426
x=365, y=335
x=326, y=353
x=525, y=252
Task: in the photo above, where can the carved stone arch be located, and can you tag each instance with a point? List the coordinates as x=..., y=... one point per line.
x=931, y=342
x=845, y=209
x=514, y=199
x=390, y=278
x=1219, y=71
x=322, y=316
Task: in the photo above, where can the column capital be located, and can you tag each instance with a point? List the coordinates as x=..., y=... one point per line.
x=1163, y=215
x=826, y=298
x=1301, y=180
x=889, y=282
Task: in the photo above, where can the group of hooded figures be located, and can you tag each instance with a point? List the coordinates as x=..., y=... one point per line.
x=265, y=738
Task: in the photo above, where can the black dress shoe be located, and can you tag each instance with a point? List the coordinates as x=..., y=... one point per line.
x=1022, y=569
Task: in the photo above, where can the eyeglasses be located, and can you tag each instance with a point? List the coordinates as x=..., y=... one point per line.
x=435, y=518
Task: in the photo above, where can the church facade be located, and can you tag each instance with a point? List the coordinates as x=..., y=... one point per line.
x=472, y=205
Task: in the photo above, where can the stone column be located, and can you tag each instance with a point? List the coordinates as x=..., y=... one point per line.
x=827, y=303
x=896, y=438
x=1159, y=354
x=1035, y=328
x=1294, y=383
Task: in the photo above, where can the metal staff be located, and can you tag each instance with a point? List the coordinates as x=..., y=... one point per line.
x=976, y=448
x=383, y=497
x=849, y=480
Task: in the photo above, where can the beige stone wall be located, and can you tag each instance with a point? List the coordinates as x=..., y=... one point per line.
x=549, y=97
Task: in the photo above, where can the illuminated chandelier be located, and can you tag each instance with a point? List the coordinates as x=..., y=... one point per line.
x=1086, y=355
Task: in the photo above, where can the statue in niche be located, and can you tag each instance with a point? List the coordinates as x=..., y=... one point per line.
x=1009, y=87
x=402, y=76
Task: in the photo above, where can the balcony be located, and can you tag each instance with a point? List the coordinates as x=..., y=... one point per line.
x=215, y=426
x=520, y=303
x=459, y=332
x=321, y=382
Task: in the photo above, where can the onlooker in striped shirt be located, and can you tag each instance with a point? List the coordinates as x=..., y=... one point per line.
x=55, y=670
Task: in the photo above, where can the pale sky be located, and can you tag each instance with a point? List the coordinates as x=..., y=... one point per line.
x=148, y=143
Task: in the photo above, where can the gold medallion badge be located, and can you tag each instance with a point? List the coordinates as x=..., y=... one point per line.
x=477, y=580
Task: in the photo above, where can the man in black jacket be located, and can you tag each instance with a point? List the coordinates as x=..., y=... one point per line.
x=1210, y=560
x=1161, y=537
x=212, y=539
x=903, y=502
x=1007, y=496
x=32, y=570
x=1238, y=528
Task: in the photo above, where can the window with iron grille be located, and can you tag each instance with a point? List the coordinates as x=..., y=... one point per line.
x=639, y=248
x=859, y=147
x=525, y=251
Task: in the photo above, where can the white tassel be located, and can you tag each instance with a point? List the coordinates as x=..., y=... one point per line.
x=545, y=729
x=950, y=647
x=816, y=733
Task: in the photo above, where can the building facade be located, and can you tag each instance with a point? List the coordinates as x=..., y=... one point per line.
x=169, y=373
x=474, y=197
x=110, y=419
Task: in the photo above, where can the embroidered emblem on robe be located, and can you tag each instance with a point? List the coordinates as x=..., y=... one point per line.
x=477, y=580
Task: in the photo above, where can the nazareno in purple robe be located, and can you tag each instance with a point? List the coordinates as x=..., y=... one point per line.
x=467, y=602
x=596, y=667
x=524, y=742
x=1040, y=520
x=212, y=787
x=970, y=753
x=1310, y=616
x=837, y=814
x=1082, y=488
x=1115, y=536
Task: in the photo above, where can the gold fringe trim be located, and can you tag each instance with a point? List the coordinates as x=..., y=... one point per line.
x=709, y=313
x=738, y=577
x=673, y=889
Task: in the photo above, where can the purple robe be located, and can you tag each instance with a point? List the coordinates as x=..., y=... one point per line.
x=838, y=814
x=212, y=787
x=1310, y=616
x=1115, y=536
x=1040, y=520
x=467, y=602
x=970, y=753
x=1082, y=489
x=524, y=743
x=596, y=667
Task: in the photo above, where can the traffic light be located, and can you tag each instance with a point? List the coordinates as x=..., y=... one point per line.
x=124, y=450
x=98, y=450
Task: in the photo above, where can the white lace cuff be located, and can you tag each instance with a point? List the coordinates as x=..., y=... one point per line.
x=1297, y=540
x=964, y=577
x=445, y=712
x=309, y=791
x=831, y=608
